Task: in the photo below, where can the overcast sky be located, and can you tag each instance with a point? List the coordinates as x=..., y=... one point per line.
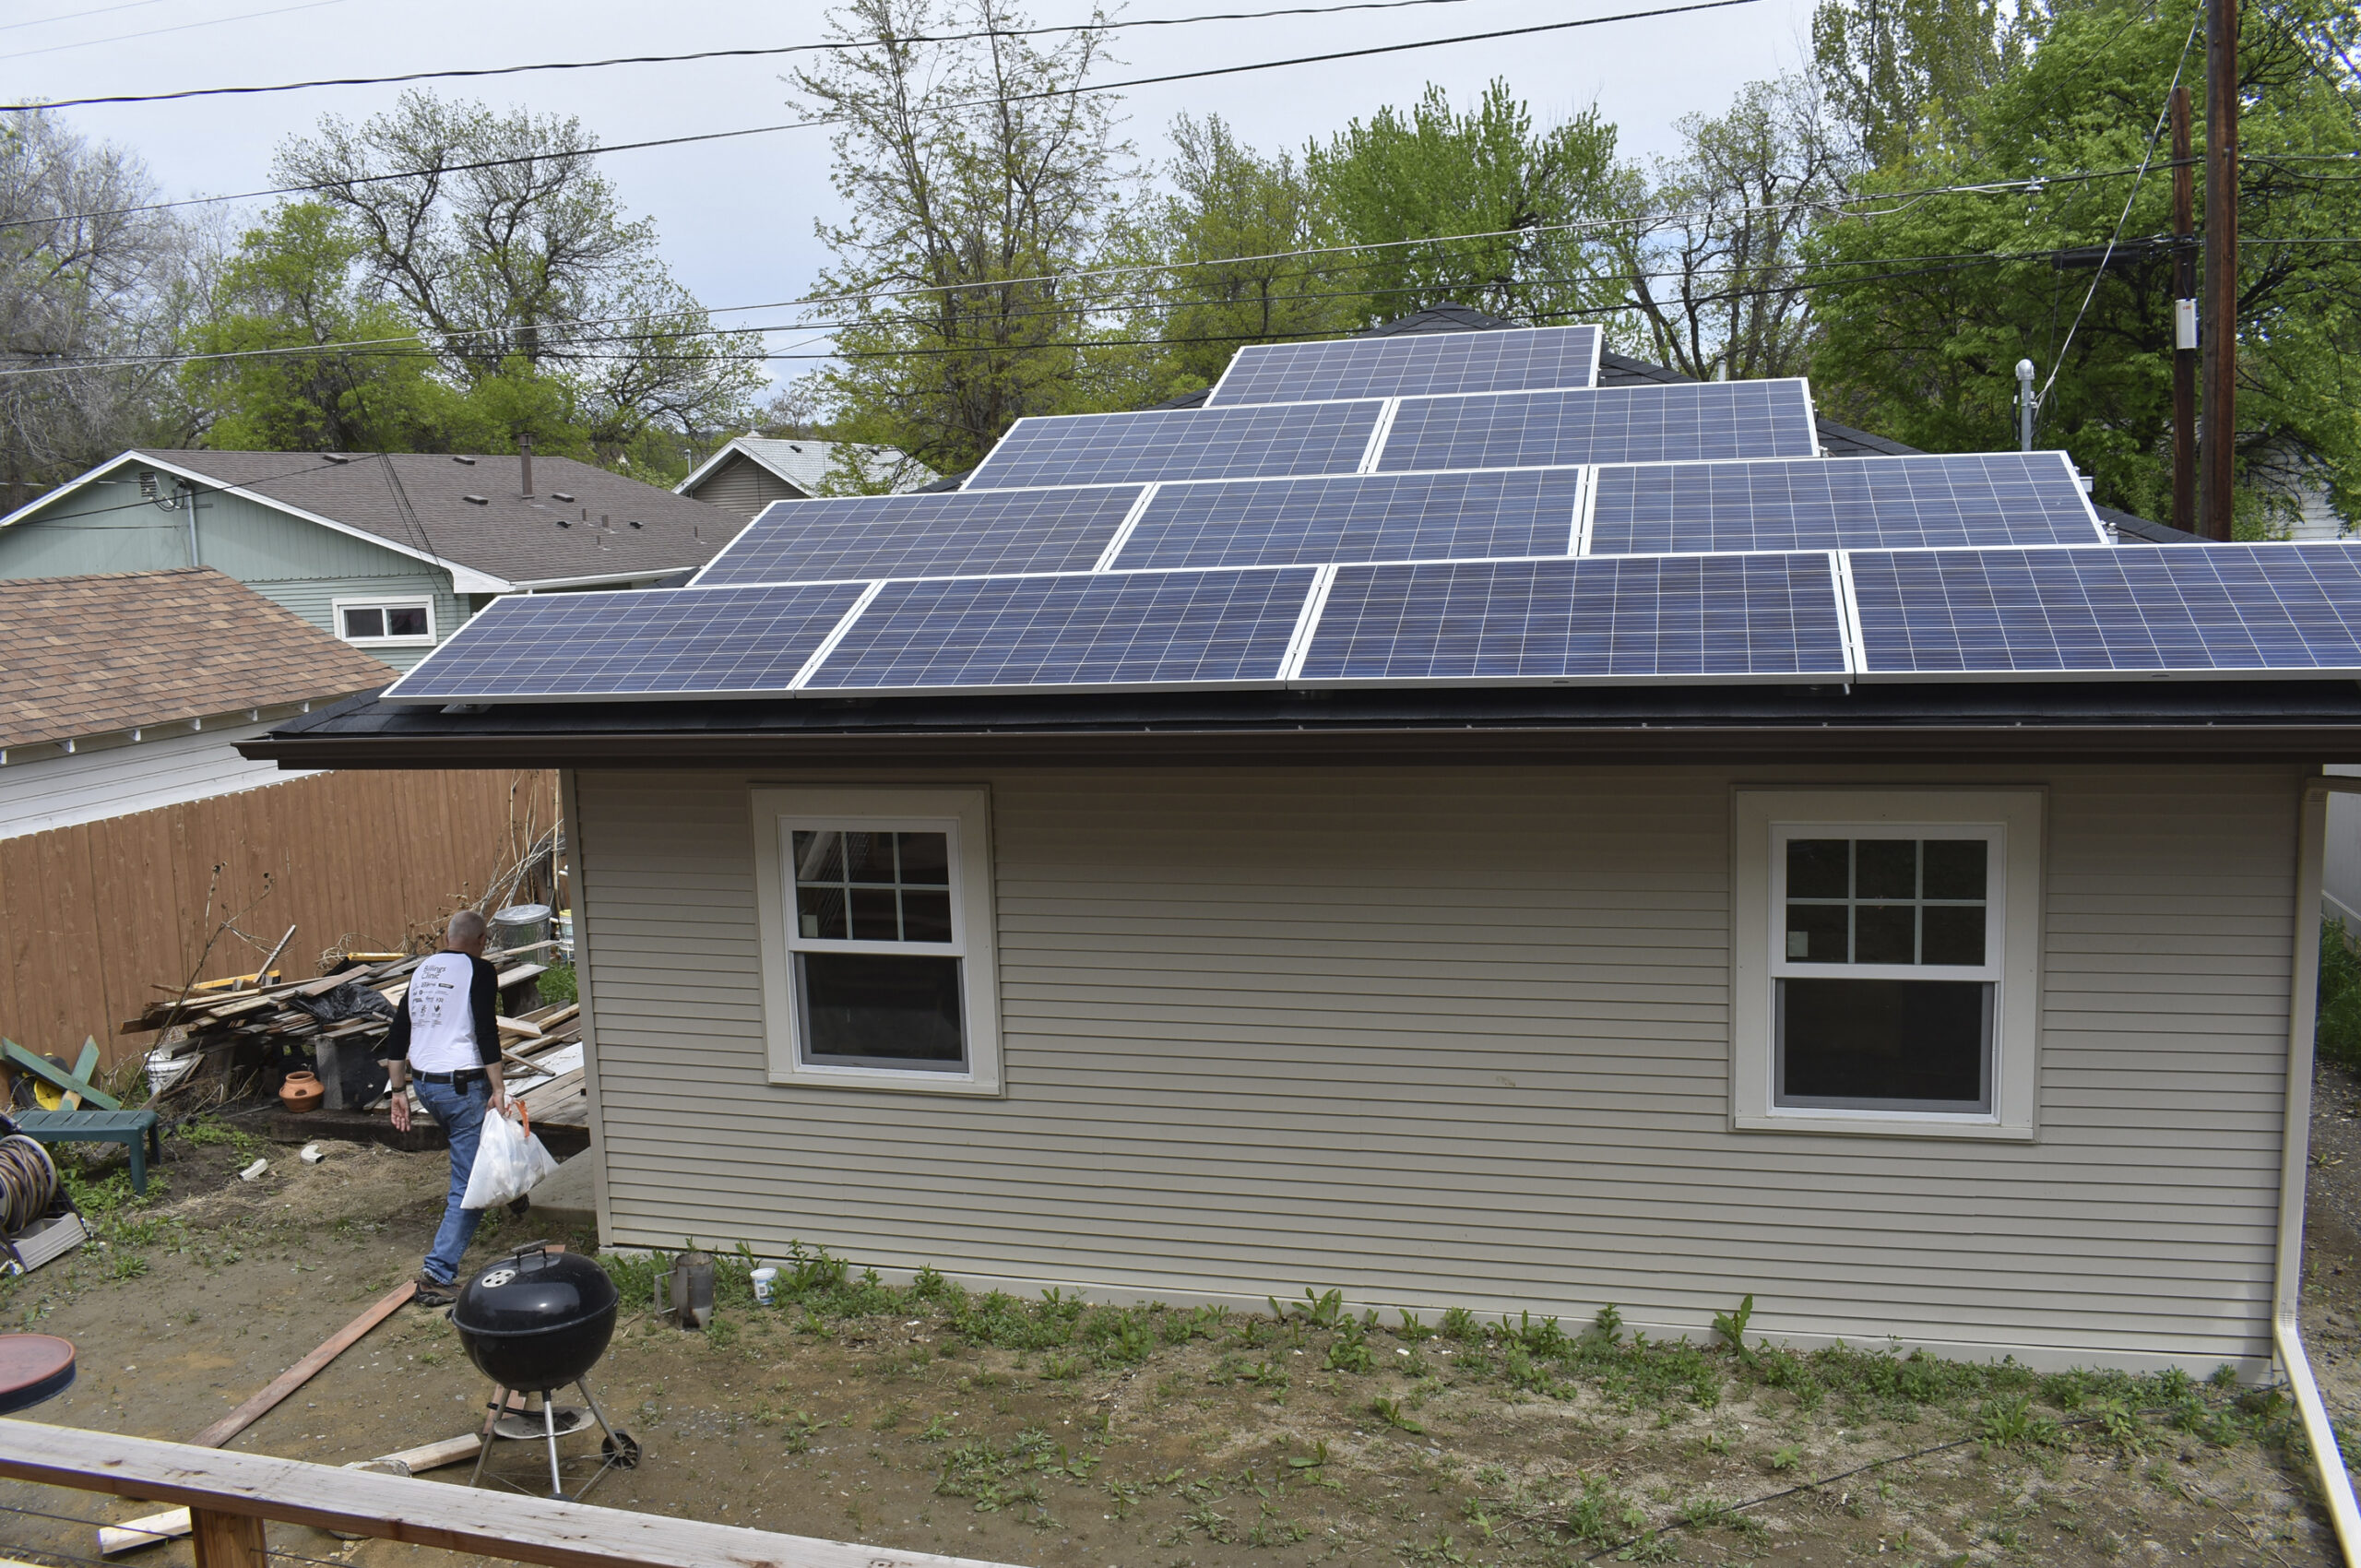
x=736, y=217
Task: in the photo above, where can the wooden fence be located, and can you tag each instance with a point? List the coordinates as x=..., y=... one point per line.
x=96, y=917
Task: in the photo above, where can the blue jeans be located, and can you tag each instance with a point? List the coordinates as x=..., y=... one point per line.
x=459, y=1108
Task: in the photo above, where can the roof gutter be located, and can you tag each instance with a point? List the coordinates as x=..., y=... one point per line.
x=547, y=585
x=2287, y=1331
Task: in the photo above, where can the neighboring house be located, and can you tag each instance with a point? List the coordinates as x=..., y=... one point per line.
x=390, y=554
x=1523, y=850
x=130, y=825
x=753, y=470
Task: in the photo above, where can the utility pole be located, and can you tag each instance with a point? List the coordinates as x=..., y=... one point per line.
x=2184, y=320
x=2221, y=313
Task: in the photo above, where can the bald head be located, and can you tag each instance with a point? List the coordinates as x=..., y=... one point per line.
x=466, y=932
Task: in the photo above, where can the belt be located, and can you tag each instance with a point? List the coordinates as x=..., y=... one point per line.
x=465, y=1076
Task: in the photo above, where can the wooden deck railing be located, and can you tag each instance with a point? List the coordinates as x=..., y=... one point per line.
x=231, y=1495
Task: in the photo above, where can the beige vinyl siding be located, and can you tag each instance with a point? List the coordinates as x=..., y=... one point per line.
x=1459, y=1037
x=742, y=487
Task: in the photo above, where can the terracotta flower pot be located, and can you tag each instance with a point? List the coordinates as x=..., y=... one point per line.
x=301, y=1091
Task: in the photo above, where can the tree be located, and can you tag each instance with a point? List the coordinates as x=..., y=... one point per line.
x=1926, y=304
x=1717, y=272
x=1897, y=71
x=501, y=239
x=82, y=278
x=975, y=179
x=1437, y=171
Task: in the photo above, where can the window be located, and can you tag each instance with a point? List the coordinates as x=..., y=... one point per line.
x=1887, y=956
x=386, y=621
x=877, y=938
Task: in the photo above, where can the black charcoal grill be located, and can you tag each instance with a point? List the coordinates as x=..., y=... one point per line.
x=535, y=1322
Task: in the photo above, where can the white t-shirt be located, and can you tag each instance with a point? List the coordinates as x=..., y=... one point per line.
x=442, y=1024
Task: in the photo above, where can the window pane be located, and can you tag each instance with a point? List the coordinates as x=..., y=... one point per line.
x=820, y=911
x=873, y=915
x=1817, y=868
x=881, y=1010
x=370, y=623
x=1816, y=933
x=926, y=858
x=406, y=621
x=1956, y=868
x=1882, y=933
x=818, y=857
x=1884, y=1044
x=1885, y=868
x=869, y=856
x=1954, y=933
x=926, y=917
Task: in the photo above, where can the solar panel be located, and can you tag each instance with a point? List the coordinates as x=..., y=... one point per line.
x=650, y=642
x=1685, y=423
x=1360, y=518
x=1099, y=631
x=2287, y=608
x=955, y=534
x=1615, y=618
x=1410, y=364
x=1841, y=503
x=1168, y=444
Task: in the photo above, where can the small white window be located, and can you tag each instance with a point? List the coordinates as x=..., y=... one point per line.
x=1888, y=954
x=877, y=938
x=385, y=621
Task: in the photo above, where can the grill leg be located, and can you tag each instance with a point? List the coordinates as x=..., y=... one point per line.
x=549, y=1425
x=597, y=1413
x=484, y=1443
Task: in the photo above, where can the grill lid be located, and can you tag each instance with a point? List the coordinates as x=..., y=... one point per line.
x=534, y=1291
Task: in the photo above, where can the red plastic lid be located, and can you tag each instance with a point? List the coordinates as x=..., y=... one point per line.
x=33, y=1368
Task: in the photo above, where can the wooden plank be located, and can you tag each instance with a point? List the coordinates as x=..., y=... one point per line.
x=228, y=1541
x=48, y=1073
x=294, y=1377
x=176, y=1522
x=500, y=1524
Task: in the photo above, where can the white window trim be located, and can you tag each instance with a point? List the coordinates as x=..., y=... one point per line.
x=966, y=814
x=2015, y=918
x=401, y=601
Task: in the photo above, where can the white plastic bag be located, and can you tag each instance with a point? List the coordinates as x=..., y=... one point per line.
x=509, y=1162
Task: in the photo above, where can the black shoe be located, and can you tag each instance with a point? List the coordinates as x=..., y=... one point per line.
x=434, y=1292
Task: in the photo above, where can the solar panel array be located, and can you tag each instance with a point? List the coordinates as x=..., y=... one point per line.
x=1419, y=365
x=1452, y=508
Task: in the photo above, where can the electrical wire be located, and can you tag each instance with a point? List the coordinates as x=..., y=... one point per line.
x=724, y=53
x=154, y=33
x=79, y=16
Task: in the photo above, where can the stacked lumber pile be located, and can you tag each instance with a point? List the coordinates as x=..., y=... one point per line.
x=215, y=1025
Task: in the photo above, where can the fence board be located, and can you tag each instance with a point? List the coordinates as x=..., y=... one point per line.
x=93, y=915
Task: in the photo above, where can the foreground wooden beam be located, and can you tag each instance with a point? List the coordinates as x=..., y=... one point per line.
x=175, y=1522
x=213, y=1482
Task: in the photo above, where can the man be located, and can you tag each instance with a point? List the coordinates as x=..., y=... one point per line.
x=445, y=1037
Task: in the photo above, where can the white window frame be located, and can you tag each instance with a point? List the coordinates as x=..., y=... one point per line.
x=963, y=813
x=1764, y=820
x=403, y=602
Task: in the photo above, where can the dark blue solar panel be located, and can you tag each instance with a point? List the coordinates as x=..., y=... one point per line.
x=1410, y=364
x=1301, y=438
x=956, y=534
x=1114, y=629
x=1688, y=423
x=2292, y=609
x=1841, y=503
x=651, y=642
x=1363, y=518
x=1723, y=617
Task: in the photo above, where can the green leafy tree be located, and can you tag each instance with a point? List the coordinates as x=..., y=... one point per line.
x=1926, y=304
x=1898, y=71
x=1436, y=170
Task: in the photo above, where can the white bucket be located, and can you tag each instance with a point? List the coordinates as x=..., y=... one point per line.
x=763, y=1280
x=164, y=1071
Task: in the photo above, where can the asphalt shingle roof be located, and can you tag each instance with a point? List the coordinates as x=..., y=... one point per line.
x=93, y=655
x=807, y=464
x=508, y=535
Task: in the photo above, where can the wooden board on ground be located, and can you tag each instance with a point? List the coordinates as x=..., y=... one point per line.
x=296, y=1376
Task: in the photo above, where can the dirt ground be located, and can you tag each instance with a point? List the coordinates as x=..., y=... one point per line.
x=1210, y=1442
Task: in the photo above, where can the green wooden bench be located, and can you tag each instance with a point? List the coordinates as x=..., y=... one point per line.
x=136, y=1130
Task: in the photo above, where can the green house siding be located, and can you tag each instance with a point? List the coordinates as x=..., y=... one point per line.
x=107, y=526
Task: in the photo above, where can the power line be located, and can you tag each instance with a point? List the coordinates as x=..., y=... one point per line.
x=699, y=138
x=717, y=54
x=153, y=32
x=79, y=16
